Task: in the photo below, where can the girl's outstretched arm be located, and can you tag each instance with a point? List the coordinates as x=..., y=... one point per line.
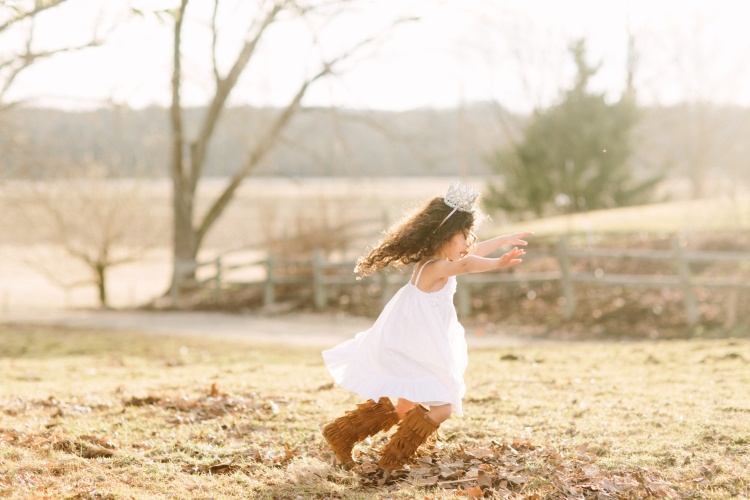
x=475, y=264
x=488, y=246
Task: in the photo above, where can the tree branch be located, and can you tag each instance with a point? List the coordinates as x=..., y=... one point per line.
x=15, y=64
x=29, y=58
x=38, y=8
x=214, y=40
x=224, y=87
x=264, y=146
x=176, y=110
x=274, y=134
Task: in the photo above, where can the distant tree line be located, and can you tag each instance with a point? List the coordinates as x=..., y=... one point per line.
x=320, y=142
x=325, y=142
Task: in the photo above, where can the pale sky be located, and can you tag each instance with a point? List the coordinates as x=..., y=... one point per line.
x=513, y=52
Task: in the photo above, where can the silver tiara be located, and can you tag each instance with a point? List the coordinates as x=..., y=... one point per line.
x=459, y=197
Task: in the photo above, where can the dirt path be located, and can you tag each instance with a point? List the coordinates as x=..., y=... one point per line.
x=296, y=329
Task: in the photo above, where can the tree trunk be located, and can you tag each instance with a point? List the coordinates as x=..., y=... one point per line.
x=184, y=238
x=184, y=244
x=101, y=283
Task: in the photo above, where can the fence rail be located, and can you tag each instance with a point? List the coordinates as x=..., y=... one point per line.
x=321, y=274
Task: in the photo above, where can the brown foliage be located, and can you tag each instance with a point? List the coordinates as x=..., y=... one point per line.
x=515, y=469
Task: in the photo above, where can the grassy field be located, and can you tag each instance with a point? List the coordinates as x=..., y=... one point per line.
x=715, y=214
x=96, y=414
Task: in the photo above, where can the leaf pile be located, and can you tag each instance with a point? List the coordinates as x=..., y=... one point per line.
x=513, y=469
x=214, y=405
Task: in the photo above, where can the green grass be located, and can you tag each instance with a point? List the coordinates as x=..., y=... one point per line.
x=97, y=414
x=699, y=215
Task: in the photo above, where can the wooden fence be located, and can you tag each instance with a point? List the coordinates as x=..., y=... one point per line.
x=321, y=274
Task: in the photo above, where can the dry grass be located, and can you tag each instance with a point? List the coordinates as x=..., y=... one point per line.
x=712, y=214
x=95, y=414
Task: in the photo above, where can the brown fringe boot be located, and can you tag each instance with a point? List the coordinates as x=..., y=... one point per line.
x=412, y=432
x=367, y=420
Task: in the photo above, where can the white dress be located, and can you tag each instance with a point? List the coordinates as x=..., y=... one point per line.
x=415, y=350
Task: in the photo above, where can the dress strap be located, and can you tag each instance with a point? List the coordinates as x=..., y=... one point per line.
x=416, y=281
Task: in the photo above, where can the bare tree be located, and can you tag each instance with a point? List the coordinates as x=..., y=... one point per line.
x=81, y=225
x=189, y=154
x=708, y=139
x=18, y=20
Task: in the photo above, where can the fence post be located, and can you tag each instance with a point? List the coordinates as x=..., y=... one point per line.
x=270, y=286
x=174, y=290
x=683, y=270
x=319, y=292
x=217, y=278
x=464, y=299
x=732, y=308
x=566, y=278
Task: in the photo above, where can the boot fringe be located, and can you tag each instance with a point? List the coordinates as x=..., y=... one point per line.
x=412, y=432
x=367, y=419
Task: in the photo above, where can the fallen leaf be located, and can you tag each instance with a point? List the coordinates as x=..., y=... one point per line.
x=475, y=492
x=368, y=468
x=480, y=453
x=427, y=481
x=484, y=480
x=148, y=400
x=445, y=472
x=456, y=463
x=474, y=472
x=590, y=470
x=416, y=472
x=83, y=449
x=517, y=479
x=99, y=441
x=223, y=468
x=610, y=486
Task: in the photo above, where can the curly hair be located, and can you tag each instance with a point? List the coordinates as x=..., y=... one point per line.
x=416, y=237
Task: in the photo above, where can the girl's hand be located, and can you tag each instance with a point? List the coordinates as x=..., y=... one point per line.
x=511, y=258
x=518, y=238
x=486, y=247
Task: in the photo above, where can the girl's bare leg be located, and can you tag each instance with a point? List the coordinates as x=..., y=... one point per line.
x=438, y=414
x=403, y=406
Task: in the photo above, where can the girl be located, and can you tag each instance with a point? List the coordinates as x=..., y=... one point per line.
x=416, y=351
